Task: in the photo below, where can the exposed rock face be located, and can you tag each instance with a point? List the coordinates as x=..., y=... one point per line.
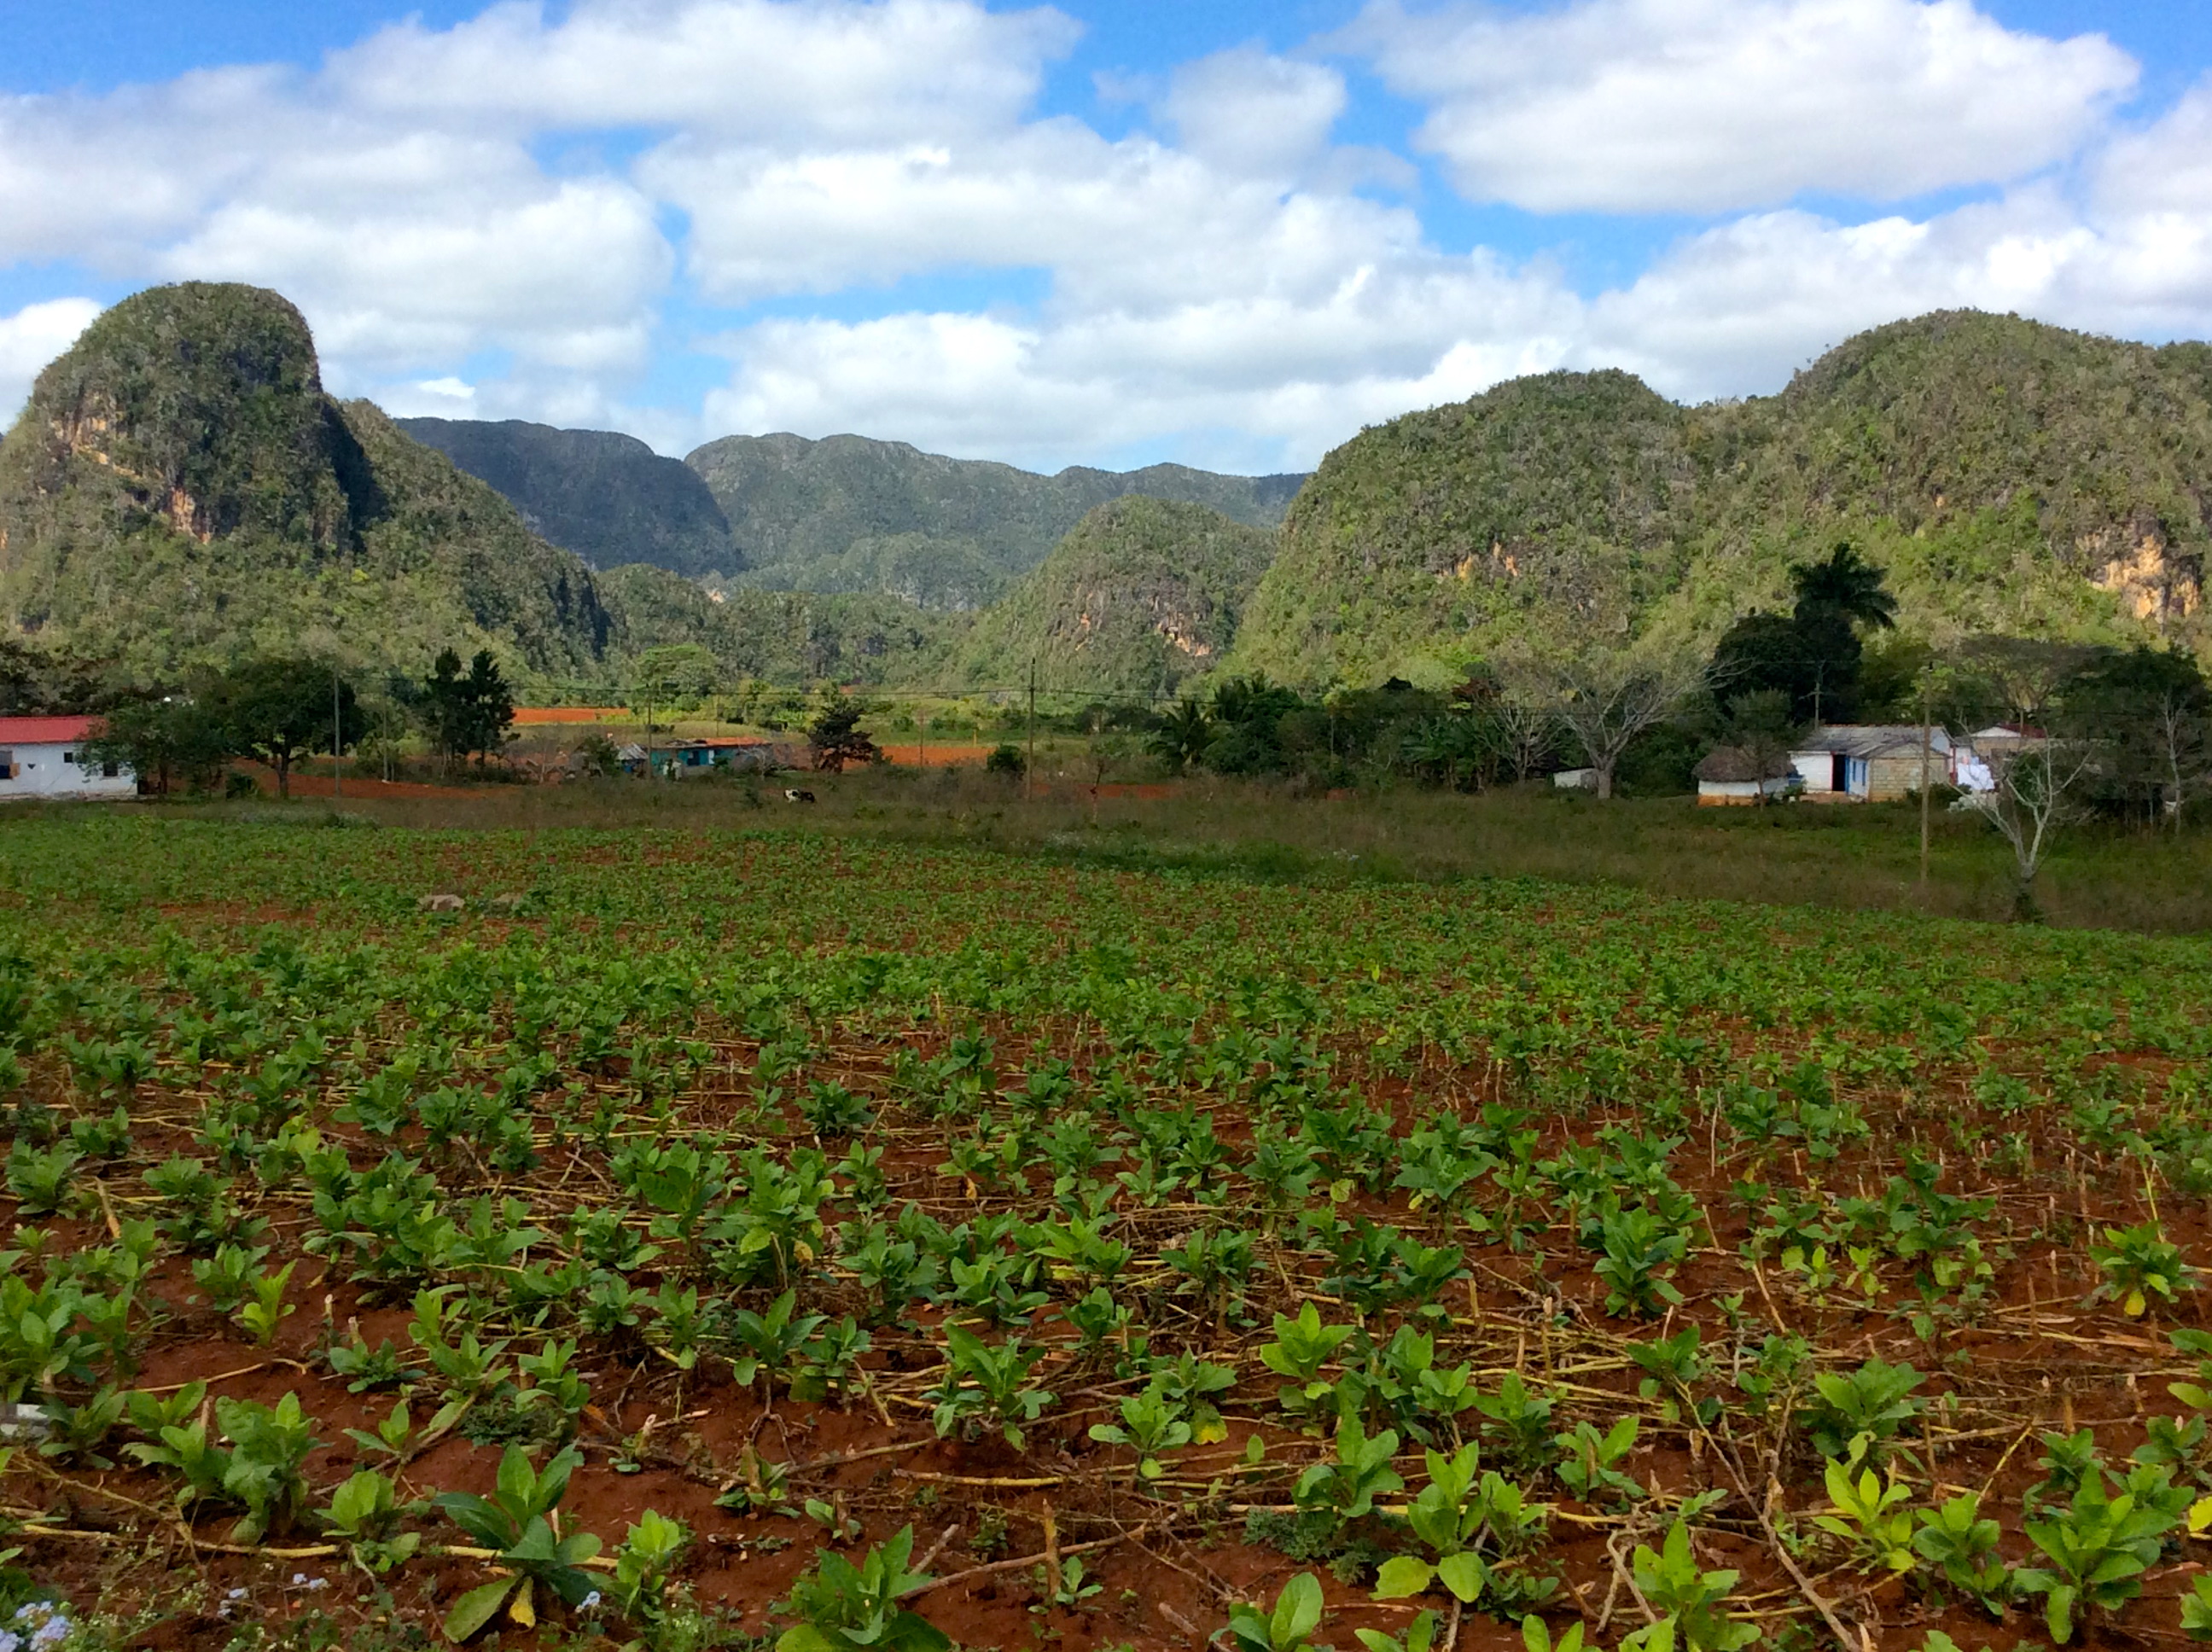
x=2011, y=477
x=1141, y=595
x=180, y=490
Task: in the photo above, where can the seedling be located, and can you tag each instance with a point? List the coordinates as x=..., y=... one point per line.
x=843, y=1607
x=365, y=1513
x=1690, y=1597
x=1286, y=1628
x=2141, y=1265
x=1871, y=1518
x=513, y=1520
x=2097, y=1550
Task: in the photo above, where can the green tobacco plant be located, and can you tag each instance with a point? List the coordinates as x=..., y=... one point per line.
x=642, y=1564
x=1472, y=1523
x=1873, y=1519
x=1961, y=1544
x=1871, y=1403
x=1689, y=1597
x=2097, y=1549
x=843, y=1608
x=514, y=1522
x=987, y=1386
x=365, y=1514
x=1348, y=1486
x=1287, y=1627
x=2141, y=1265
x=1301, y=1347
x=1151, y=1424
x=1588, y=1459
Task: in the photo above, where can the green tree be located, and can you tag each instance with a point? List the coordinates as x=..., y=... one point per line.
x=837, y=738
x=469, y=712
x=165, y=743
x=281, y=708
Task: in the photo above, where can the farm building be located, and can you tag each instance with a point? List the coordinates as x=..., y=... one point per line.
x=1731, y=775
x=676, y=758
x=681, y=757
x=1870, y=763
x=39, y=758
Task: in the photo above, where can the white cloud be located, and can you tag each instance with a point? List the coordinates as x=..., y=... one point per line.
x=29, y=339
x=1249, y=113
x=1710, y=105
x=488, y=221
x=783, y=72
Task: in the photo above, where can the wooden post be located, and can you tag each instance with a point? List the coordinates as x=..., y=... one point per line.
x=1029, y=763
x=1927, y=742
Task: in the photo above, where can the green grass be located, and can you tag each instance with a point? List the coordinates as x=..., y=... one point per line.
x=1804, y=854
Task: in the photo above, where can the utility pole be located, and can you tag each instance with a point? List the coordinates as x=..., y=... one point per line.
x=338, y=739
x=1927, y=740
x=1029, y=763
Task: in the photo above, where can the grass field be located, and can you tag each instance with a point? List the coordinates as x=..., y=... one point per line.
x=1144, y=1221
x=1837, y=856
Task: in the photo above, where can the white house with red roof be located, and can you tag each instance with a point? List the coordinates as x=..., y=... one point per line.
x=44, y=758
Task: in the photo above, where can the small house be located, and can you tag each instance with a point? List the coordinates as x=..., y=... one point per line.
x=44, y=758
x=1576, y=780
x=679, y=758
x=1733, y=776
x=1870, y=763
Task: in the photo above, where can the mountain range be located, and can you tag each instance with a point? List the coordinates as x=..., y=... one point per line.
x=180, y=490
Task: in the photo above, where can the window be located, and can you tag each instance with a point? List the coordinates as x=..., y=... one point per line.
x=110, y=770
x=7, y=765
x=69, y=756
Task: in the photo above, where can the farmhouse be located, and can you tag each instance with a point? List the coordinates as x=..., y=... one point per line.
x=1731, y=775
x=1870, y=763
x=40, y=757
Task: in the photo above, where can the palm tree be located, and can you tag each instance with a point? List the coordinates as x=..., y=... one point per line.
x=1182, y=734
x=1846, y=583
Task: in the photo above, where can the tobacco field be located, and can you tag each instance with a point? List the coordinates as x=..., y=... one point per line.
x=765, y=1239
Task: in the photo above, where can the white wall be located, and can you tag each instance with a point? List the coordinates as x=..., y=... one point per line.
x=40, y=772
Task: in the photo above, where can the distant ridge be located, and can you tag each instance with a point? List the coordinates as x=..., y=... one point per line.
x=853, y=513
x=606, y=496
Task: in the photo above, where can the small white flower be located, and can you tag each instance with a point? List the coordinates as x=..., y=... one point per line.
x=590, y=1602
x=235, y=1594
x=11, y=1641
x=298, y=1578
x=52, y=1632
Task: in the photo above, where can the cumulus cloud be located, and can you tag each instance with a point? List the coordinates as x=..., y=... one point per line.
x=787, y=73
x=1712, y=106
x=497, y=219
x=29, y=339
x=1248, y=112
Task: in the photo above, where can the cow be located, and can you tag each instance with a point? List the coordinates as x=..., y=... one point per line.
x=796, y=794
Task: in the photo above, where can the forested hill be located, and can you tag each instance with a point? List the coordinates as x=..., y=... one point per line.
x=606, y=496
x=2008, y=477
x=849, y=514
x=179, y=491
x=1141, y=595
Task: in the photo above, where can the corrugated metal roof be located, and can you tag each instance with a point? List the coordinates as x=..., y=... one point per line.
x=47, y=731
x=1870, y=739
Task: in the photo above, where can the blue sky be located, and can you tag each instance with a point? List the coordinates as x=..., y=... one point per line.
x=1225, y=233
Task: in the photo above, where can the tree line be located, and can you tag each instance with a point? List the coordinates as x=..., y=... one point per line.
x=2139, y=720
x=277, y=709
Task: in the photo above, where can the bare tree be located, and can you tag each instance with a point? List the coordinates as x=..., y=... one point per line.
x=1605, y=697
x=2027, y=805
x=1521, y=731
x=2185, y=745
x=2030, y=797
